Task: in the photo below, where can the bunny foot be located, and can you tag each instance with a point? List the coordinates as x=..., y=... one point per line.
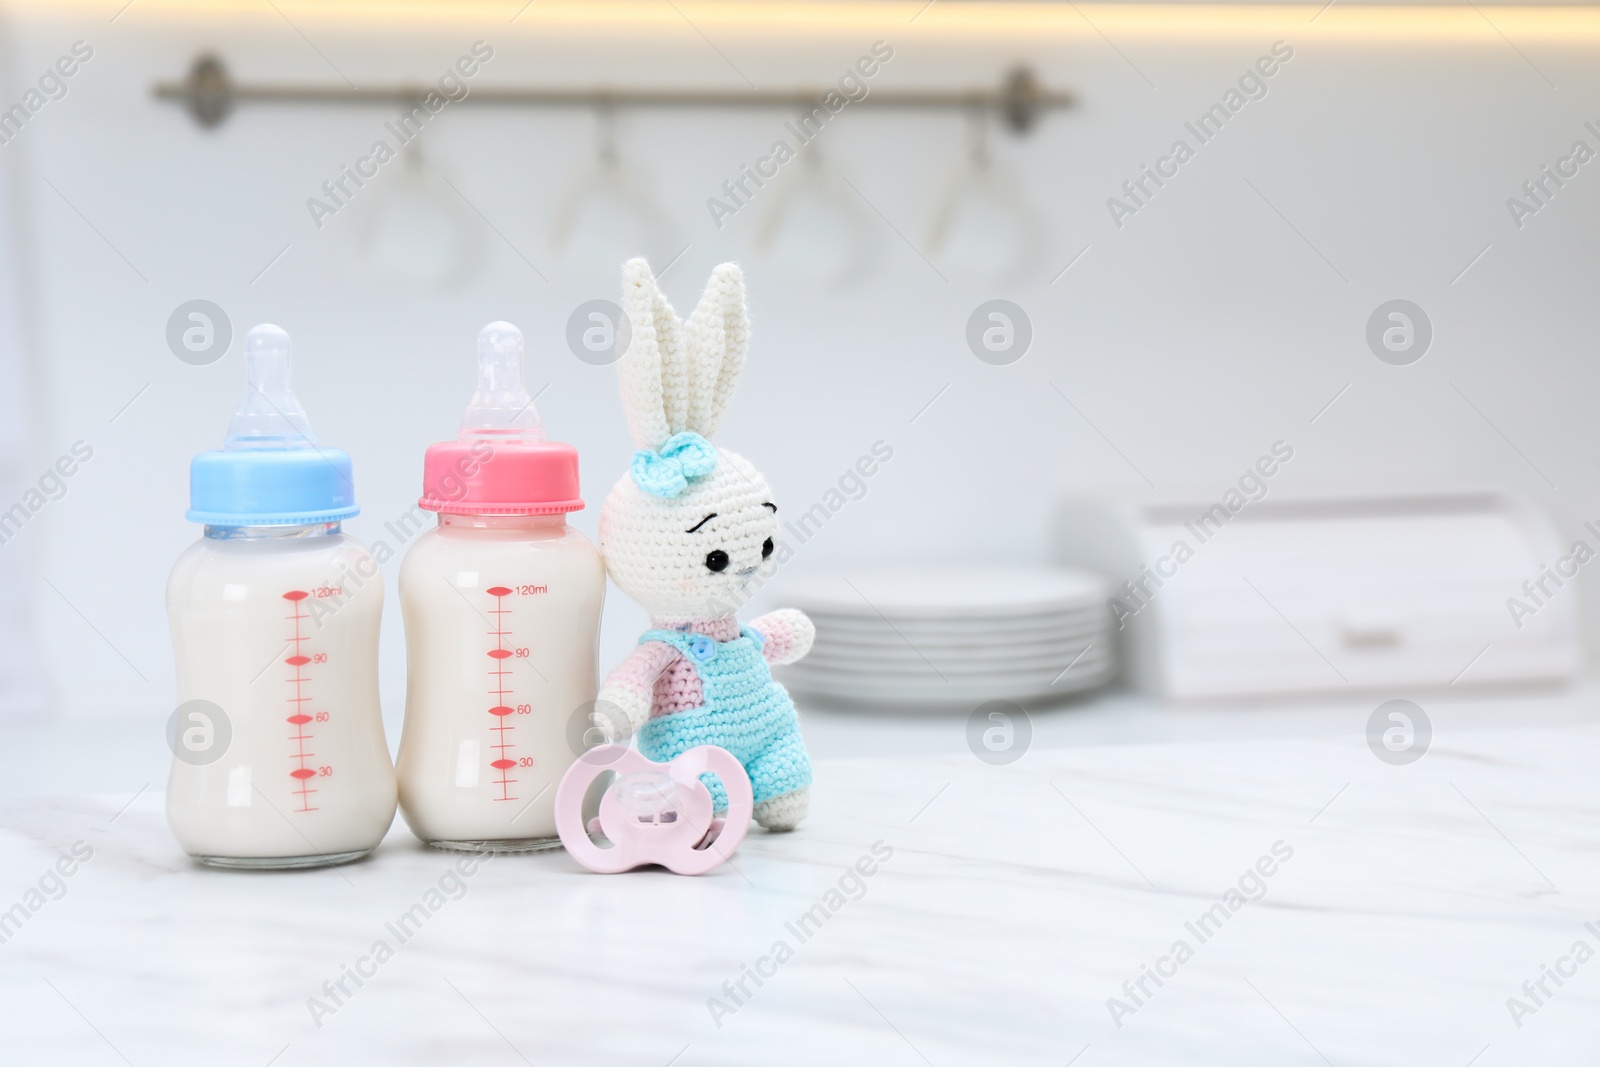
x=785, y=812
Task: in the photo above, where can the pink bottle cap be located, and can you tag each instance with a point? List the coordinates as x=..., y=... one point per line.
x=500, y=477
x=653, y=812
x=500, y=462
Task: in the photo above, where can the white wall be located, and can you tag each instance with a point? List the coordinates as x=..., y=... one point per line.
x=1193, y=337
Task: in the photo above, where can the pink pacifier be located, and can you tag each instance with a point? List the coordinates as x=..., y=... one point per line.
x=653, y=812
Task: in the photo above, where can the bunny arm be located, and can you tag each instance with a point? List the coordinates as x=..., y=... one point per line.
x=631, y=686
x=789, y=635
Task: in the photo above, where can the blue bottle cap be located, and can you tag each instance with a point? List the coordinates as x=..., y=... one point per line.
x=269, y=471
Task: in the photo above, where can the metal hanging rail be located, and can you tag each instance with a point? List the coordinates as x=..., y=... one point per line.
x=209, y=94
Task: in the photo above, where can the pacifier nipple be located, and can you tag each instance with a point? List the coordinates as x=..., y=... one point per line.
x=501, y=406
x=269, y=416
x=648, y=797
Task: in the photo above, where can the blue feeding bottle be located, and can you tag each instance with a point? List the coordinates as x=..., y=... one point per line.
x=279, y=757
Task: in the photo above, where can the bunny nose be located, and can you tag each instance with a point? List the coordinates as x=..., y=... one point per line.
x=745, y=572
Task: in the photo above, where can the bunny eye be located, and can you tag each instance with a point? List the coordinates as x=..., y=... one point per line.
x=766, y=548
x=716, y=560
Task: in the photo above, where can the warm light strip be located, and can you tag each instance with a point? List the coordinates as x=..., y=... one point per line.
x=1043, y=22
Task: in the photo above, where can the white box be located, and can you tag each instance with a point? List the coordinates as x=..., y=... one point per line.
x=1329, y=595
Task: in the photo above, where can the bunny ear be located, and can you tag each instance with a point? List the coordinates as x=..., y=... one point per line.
x=654, y=362
x=674, y=365
x=716, y=336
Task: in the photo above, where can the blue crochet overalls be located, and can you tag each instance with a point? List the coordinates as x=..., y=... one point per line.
x=745, y=712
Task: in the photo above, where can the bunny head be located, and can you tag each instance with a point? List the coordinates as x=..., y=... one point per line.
x=685, y=532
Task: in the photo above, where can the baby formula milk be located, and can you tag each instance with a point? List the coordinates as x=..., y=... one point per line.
x=502, y=610
x=279, y=758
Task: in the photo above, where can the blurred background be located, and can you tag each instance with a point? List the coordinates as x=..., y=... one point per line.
x=1158, y=337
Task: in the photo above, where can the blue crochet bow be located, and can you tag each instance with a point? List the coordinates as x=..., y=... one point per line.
x=667, y=472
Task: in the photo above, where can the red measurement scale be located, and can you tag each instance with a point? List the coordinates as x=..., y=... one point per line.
x=500, y=693
x=299, y=717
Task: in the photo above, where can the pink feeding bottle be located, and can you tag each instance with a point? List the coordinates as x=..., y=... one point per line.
x=502, y=613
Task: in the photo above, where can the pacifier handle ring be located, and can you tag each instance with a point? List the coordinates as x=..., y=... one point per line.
x=570, y=794
x=741, y=802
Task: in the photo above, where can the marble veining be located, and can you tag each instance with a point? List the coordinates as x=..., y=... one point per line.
x=1005, y=907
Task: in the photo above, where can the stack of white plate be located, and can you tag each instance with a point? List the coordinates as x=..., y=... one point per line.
x=954, y=636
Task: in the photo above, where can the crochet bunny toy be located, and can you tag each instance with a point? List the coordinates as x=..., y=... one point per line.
x=684, y=533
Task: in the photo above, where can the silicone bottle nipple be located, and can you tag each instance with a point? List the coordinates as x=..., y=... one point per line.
x=501, y=406
x=269, y=416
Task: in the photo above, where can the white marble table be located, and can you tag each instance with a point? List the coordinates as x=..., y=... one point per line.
x=1017, y=901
